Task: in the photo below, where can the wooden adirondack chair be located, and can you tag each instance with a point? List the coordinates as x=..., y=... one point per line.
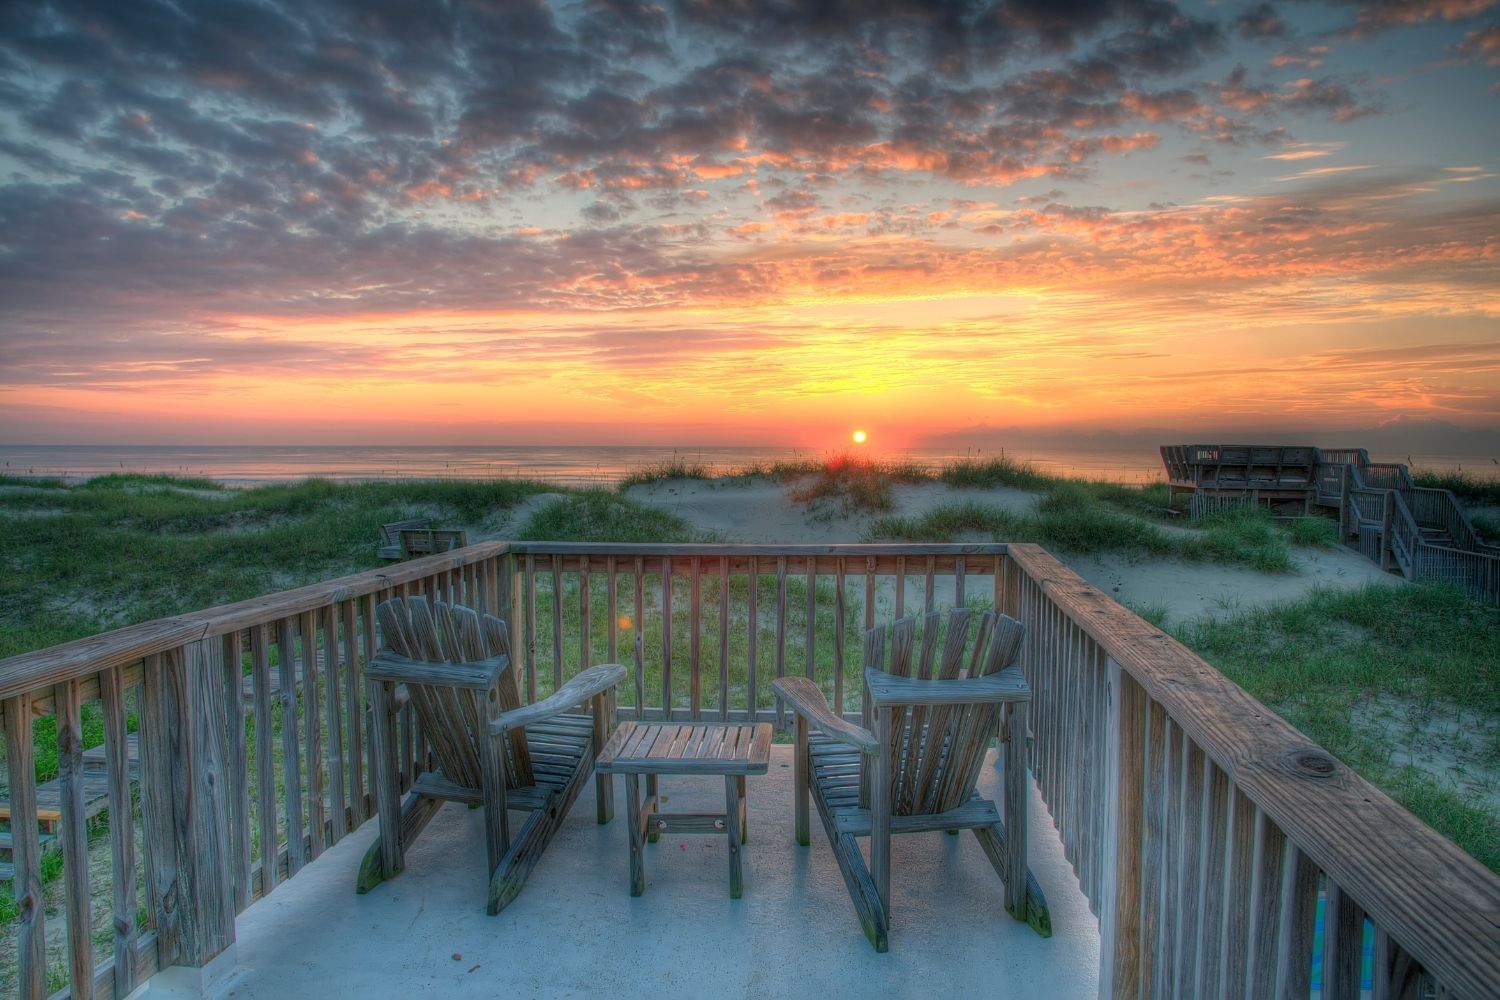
x=452, y=664
x=913, y=766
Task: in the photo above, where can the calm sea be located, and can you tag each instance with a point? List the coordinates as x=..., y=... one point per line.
x=570, y=465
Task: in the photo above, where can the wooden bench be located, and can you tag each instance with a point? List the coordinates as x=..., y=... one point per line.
x=390, y=536
x=426, y=541
x=665, y=748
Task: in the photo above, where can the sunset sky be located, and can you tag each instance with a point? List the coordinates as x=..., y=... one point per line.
x=721, y=221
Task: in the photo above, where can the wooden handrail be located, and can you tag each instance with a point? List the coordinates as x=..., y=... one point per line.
x=81, y=658
x=1441, y=904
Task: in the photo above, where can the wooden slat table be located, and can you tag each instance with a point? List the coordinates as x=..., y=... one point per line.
x=667, y=748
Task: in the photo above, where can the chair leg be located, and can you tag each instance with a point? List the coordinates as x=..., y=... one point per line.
x=604, y=784
x=1016, y=794
x=801, y=764
x=881, y=807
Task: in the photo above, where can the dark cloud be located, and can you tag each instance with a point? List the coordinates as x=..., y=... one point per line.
x=1260, y=22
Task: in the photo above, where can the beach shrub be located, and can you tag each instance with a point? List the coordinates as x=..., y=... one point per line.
x=946, y=522
x=1243, y=535
x=659, y=472
x=603, y=516
x=990, y=473
x=1317, y=532
x=846, y=485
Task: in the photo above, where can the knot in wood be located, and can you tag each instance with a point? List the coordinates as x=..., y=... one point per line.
x=1313, y=763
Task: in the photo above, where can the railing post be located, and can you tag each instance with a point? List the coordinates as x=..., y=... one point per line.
x=1343, y=502
x=186, y=811
x=1120, y=907
x=1386, y=515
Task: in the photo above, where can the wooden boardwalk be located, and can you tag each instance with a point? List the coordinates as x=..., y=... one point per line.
x=49, y=804
x=1424, y=534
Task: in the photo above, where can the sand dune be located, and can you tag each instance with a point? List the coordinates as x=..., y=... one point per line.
x=761, y=511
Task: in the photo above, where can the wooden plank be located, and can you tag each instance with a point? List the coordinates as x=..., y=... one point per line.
x=585, y=616
x=334, y=703
x=265, y=785
x=781, y=638
x=45, y=668
x=732, y=837
x=291, y=763
x=812, y=618
x=723, y=638
x=529, y=643
x=695, y=639
x=557, y=624
x=612, y=584
x=840, y=582
x=307, y=626
x=666, y=637
x=26, y=850
x=752, y=635
x=639, y=625
x=1343, y=945
x=75, y=841
x=122, y=825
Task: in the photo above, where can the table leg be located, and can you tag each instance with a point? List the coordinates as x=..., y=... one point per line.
x=744, y=816
x=732, y=809
x=655, y=796
x=633, y=821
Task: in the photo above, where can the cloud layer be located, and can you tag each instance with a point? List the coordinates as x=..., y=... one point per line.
x=201, y=199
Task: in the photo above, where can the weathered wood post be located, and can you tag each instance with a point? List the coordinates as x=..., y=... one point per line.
x=1120, y=908
x=1386, y=516
x=1343, y=502
x=185, y=807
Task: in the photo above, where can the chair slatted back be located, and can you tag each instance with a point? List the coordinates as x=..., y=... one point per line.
x=454, y=720
x=936, y=751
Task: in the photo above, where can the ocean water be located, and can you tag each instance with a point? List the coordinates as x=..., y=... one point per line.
x=573, y=465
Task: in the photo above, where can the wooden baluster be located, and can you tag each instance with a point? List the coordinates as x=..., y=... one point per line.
x=1343, y=945
x=237, y=790
x=666, y=638
x=291, y=764
x=695, y=639
x=354, y=712
x=335, y=722
x=812, y=616
x=67, y=708
x=585, y=615
x=724, y=639
x=640, y=633
x=122, y=824
x=752, y=637
x=265, y=777
x=557, y=623
x=780, y=635
x=529, y=599
x=312, y=717
x=26, y=851
x=839, y=597
x=614, y=609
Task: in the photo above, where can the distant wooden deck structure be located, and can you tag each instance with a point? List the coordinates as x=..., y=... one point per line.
x=1422, y=533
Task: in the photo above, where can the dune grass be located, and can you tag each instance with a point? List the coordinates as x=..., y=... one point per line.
x=1465, y=485
x=1320, y=661
x=604, y=516
x=1073, y=517
x=989, y=473
x=675, y=468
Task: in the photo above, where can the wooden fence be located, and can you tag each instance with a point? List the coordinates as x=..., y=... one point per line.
x=1201, y=826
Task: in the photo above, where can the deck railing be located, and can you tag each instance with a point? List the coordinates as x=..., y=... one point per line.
x=1201, y=826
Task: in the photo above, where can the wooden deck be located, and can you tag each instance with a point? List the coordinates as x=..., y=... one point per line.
x=1201, y=829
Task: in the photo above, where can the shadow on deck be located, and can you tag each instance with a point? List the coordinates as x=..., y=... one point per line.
x=576, y=931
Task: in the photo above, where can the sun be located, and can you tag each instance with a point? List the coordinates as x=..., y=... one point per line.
x=859, y=437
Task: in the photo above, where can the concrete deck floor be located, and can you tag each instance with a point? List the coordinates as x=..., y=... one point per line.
x=576, y=931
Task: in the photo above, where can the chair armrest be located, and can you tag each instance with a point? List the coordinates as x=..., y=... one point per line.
x=586, y=685
x=807, y=701
x=888, y=690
